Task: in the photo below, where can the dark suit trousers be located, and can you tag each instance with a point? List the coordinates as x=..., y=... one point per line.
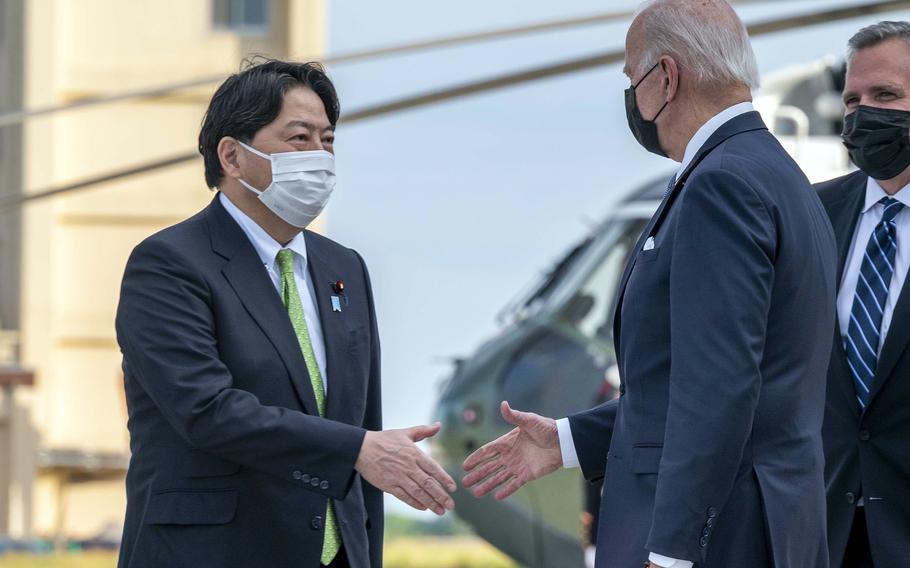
x=858, y=554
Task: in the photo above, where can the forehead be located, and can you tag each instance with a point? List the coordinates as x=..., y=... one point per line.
x=633, y=51
x=887, y=63
x=302, y=103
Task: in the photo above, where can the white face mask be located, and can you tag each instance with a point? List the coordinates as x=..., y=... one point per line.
x=302, y=183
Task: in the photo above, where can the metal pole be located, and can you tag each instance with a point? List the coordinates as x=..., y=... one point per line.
x=6, y=457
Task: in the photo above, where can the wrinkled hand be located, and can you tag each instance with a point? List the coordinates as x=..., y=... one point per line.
x=391, y=462
x=528, y=452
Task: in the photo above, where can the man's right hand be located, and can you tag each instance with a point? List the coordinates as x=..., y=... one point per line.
x=391, y=462
x=530, y=451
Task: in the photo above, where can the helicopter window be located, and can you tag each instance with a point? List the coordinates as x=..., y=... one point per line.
x=561, y=368
x=553, y=375
x=590, y=310
x=555, y=276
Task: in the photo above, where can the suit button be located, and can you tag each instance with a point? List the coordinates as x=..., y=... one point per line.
x=851, y=497
x=324, y=485
x=314, y=482
x=712, y=512
x=710, y=522
x=305, y=478
x=317, y=523
x=864, y=435
x=703, y=542
x=297, y=475
x=706, y=532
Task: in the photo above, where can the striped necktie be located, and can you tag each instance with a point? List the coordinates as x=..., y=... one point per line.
x=670, y=185
x=331, y=543
x=864, y=332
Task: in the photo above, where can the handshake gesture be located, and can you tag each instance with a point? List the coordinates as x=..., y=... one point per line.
x=528, y=452
x=391, y=461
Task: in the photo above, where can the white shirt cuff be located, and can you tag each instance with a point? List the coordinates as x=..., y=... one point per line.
x=666, y=562
x=566, y=443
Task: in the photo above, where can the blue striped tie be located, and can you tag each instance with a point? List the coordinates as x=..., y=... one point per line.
x=864, y=331
x=670, y=186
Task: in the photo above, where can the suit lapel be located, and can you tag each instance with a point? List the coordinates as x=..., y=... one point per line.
x=747, y=122
x=895, y=343
x=844, y=214
x=246, y=275
x=335, y=332
x=630, y=264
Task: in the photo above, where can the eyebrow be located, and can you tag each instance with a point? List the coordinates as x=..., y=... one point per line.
x=875, y=89
x=307, y=125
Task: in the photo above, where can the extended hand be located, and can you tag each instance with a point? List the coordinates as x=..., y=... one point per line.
x=528, y=452
x=391, y=461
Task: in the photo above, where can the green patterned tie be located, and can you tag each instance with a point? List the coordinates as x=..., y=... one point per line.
x=291, y=299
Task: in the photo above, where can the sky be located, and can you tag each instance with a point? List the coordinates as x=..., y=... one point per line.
x=458, y=206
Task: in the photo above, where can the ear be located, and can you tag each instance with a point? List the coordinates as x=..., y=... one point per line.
x=670, y=82
x=229, y=156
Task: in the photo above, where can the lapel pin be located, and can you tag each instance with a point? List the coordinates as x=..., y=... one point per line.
x=338, y=288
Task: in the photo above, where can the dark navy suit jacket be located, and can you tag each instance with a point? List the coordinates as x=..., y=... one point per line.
x=231, y=464
x=867, y=453
x=723, y=335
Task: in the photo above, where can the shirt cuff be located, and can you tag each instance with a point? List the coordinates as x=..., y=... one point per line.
x=566, y=443
x=667, y=562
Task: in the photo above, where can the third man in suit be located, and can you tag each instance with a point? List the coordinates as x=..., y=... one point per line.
x=867, y=417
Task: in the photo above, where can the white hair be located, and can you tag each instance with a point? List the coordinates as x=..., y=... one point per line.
x=716, y=51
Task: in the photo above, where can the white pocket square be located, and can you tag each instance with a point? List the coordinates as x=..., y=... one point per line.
x=649, y=244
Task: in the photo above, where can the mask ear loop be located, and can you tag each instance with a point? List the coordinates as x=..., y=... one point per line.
x=635, y=86
x=261, y=155
x=249, y=187
x=255, y=151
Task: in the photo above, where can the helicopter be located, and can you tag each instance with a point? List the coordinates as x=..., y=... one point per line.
x=554, y=353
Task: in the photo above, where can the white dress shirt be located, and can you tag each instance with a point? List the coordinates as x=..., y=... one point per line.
x=267, y=248
x=566, y=442
x=870, y=216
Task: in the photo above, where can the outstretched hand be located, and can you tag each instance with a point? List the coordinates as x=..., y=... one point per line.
x=391, y=461
x=528, y=452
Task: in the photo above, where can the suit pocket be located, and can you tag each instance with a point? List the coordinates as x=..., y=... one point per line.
x=646, y=256
x=192, y=507
x=646, y=459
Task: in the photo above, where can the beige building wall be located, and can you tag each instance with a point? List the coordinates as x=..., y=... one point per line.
x=74, y=247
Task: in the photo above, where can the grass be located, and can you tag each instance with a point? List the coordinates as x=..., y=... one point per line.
x=74, y=560
x=445, y=552
x=403, y=552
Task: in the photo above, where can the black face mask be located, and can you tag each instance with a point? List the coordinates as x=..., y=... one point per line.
x=645, y=131
x=877, y=140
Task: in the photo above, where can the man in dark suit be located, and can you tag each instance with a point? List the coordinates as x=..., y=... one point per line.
x=714, y=446
x=251, y=358
x=867, y=417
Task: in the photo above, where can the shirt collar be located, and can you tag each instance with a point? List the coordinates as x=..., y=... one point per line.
x=708, y=129
x=875, y=193
x=266, y=247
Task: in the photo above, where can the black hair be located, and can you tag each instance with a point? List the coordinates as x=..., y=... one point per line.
x=248, y=101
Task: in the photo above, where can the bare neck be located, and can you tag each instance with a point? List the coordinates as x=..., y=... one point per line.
x=694, y=111
x=893, y=185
